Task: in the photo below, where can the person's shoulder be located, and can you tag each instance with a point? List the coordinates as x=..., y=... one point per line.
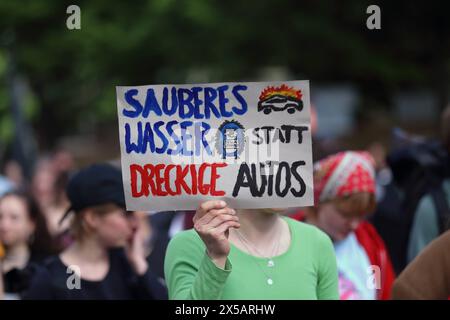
x=44, y=278
x=440, y=244
x=185, y=237
x=312, y=241
x=51, y=263
x=186, y=240
x=305, y=230
x=51, y=268
x=184, y=247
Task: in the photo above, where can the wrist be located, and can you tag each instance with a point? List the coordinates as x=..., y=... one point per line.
x=218, y=260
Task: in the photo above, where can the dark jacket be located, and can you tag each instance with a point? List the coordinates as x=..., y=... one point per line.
x=53, y=280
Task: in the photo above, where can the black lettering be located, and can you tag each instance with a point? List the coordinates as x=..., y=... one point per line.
x=301, y=192
x=244, y=180
x=287, y=182
x=268, y=129
x=260, y=139
x=287, y=131
x=247, y=178
x=300, y=130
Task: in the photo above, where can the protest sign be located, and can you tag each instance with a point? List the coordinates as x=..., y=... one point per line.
x=247, y=143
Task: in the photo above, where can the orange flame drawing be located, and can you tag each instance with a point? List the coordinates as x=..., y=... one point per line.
x=281, y=90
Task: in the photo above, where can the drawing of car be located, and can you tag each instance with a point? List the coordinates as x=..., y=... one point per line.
x=278, y=103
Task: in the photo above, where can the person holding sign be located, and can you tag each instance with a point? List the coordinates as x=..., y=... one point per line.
x=344, y=190
x=248, y=144
x=250, y=254
x=107, y=259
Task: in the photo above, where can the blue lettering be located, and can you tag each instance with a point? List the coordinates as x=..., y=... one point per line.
x=175, y=138
x=185, y=136
x=151, y=104
x=201, y=129
x=223, y=101
x=153, y=138
x=148, y=138
x=161, y=135
x=210, y=96
x=130, y=146
x=241, y=100
x=165, y=104
x=185, y=102
x=129, y=98
x=197, y=102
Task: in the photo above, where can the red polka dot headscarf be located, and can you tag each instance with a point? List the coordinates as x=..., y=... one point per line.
x=343, y=174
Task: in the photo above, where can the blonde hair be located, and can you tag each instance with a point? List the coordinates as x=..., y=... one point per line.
x=354, y=205
x=360, y=203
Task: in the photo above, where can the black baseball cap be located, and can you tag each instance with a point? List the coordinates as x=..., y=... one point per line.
x=95, y=185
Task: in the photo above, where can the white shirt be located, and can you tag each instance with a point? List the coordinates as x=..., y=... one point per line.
x=354, y=270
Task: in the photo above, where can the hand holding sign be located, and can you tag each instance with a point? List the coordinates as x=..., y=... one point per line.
x=212, y=221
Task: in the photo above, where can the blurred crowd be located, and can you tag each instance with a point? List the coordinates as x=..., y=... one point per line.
x=64, y=217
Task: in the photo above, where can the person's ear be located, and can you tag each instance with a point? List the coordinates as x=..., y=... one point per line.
x=90, y=219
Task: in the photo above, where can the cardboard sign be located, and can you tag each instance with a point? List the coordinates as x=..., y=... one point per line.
x=246, y=143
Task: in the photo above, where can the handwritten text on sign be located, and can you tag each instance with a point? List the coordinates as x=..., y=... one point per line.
x=246, y=143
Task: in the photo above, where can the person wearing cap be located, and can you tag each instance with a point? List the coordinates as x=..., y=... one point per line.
x=344, y=192
x=107, y=259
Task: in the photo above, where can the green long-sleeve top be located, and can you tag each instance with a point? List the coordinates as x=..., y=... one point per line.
x=307, y=270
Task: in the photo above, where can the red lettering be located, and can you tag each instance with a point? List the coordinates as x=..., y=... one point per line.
x=203, y=188
x=214, y=177
x=193, y=178
x=134, y=169
x=149, y=178
x=167, y=179
x=155, y=179
x=179, y=181
x=159, y=179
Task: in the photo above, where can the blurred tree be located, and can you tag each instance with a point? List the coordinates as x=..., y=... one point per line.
x=73, y=73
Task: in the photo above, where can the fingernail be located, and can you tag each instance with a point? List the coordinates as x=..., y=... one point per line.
x=222, y=203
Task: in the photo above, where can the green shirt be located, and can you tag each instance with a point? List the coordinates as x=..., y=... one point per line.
x=307, y=270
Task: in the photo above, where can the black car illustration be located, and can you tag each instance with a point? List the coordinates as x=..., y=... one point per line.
x=280, y=103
